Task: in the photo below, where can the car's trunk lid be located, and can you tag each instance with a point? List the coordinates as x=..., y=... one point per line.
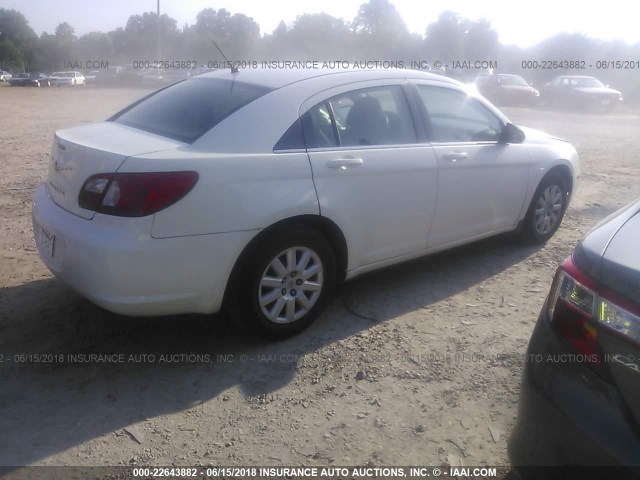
x=77, y=153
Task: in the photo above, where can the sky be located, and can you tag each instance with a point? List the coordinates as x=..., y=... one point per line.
x=523, y=23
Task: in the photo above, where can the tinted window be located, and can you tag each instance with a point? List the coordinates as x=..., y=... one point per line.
x=455, y=117
x=188, y=109
x=373, y=116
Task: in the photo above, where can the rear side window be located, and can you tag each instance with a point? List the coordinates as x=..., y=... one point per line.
x=373, y=116
x=189, y=109
x=363, y=117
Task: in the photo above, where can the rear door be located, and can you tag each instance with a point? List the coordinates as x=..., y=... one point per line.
x=482, y=183
x=371, y=175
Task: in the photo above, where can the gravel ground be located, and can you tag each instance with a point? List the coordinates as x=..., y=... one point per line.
x=415, y=364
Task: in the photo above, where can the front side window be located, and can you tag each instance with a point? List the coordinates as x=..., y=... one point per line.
x=189, y=109
x=453, y=116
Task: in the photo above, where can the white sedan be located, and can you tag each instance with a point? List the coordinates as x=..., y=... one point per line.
x=67, y=79
x=258, y=190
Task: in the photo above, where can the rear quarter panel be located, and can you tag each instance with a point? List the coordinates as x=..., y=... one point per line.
x=233, y=192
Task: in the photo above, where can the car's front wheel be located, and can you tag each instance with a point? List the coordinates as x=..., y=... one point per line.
x=286, y=283
x=546, y=210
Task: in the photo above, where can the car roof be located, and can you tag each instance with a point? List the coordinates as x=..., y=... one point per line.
x=280, y=77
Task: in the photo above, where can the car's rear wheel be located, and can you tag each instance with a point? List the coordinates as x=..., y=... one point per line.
x=286, y=283
x=546, y=210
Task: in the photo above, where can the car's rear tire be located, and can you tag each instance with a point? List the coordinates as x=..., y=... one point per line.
x=546, y=211
x=285, y=283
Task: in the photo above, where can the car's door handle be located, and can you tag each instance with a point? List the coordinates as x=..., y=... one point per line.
x=344, y=162
x=455, y=156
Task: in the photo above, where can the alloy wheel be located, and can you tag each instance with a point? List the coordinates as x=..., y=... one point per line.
x=291, y=285
x=548, y=209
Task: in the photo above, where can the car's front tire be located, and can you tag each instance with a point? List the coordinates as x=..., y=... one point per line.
x=546, y=210
x=285, y=283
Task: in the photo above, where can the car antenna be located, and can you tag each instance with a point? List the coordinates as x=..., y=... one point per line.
x=233, y=68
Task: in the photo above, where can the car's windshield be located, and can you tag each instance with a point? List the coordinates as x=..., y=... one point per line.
x=22, y=75
x=58, y=74
x=188, y=109
x=589, y=82
x=512, y=80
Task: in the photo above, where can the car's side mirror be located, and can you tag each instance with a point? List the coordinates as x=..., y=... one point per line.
x=511, y=134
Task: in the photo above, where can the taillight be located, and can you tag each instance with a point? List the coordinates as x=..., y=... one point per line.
x=619, y=319
x=134, y=194
x=578, y=309
x=571, y=308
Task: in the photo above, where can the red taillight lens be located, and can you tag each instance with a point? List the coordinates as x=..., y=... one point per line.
x=571, y=308
x=135, y=194
x=578, y=309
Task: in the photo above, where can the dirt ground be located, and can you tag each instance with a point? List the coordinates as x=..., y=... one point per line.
x=414, y=365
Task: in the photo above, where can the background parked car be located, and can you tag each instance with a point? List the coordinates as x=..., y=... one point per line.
x=580, y=390
x=507, y=89
x=70, y=79
x=580, y=92
x=30, y=80
x=109, y=77
x=5, y=76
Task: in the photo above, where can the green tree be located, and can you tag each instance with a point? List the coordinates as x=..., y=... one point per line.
x=237, y=35
x=18, y=41
x=444, y=40
x=381, y=32
x=319, y=36
x=96, y=46
x=480, y=41
x=141, y=37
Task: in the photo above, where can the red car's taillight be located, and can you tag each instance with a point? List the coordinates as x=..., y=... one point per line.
x=578, y=309
x=134, y=194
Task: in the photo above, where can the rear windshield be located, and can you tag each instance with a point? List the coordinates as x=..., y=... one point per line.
x=189, y=109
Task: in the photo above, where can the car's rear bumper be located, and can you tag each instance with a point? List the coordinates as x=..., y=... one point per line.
x=569, y=416
x=115, y=263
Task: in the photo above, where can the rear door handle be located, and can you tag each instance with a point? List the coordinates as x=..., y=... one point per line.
x=343, y=163
x=455, y=156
